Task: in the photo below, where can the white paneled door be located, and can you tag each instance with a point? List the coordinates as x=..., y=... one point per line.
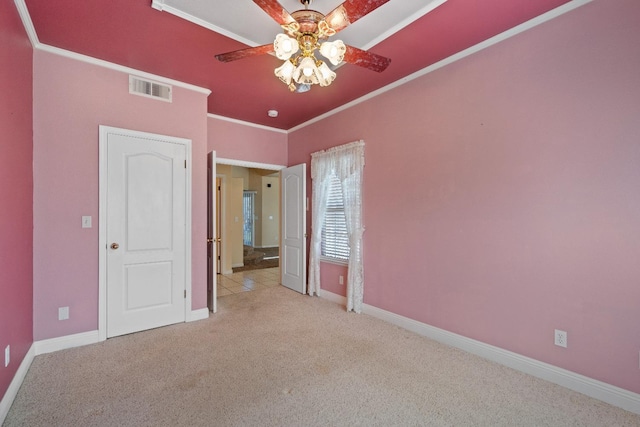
x=293, y=228
x=146, y=237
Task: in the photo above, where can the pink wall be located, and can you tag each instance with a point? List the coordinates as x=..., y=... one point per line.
x=16, y=189
x=501, y=193
x=71, y=100
x=236, y=141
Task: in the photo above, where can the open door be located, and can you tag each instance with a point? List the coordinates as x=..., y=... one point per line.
x=293, y=228
x=212, y=256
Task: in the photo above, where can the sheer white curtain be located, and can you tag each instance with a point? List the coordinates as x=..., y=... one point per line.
x=347, y=163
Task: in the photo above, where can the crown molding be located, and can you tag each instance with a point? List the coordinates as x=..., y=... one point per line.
x=567, y=7
x=244, y=123
x=27, y=23
x=158, y=5
x=400, y=25
x=161, y=6
x=35, y=42
x=121, y=68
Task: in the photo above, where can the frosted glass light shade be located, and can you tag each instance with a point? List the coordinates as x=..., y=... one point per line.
x=333, y=51
x=326, y=75
x=285, y=46
x=285, y=72
x=307, y=72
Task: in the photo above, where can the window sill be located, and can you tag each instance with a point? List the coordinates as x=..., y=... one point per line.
x=335, y=261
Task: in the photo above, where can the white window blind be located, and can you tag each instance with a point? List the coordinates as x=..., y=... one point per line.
x=335, y=240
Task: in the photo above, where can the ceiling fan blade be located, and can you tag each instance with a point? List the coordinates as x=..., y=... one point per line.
x=365, y=59
x=350, y=11
x=276, y=11
x=245, y=53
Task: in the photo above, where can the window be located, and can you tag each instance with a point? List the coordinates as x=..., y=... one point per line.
x=248, y=210
x=335, y=240
x=334, y=213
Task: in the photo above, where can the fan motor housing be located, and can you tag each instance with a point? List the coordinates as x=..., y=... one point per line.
x=308, y=20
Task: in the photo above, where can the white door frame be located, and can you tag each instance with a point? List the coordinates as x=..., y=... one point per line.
x=104, y=132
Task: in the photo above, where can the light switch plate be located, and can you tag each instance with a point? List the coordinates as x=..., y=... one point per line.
x=63, y=313
x=86, y=222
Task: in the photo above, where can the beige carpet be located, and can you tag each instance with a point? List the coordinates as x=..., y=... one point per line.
x=276, y=358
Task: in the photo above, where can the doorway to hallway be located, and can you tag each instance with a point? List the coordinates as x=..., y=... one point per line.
x=250, y=217
x=247, y=281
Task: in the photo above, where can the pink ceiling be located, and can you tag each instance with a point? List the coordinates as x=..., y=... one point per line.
x=131, y=33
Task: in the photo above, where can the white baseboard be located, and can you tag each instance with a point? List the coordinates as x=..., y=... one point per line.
x=14, y=386
x=237, y=265
x=199, y=314
x=68, y=341
x=608, y=393
x=338, y=299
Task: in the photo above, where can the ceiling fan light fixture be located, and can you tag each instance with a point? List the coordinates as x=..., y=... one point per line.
x=285, y=72
x=307, y=72
x=327, y=75
x=333, y=51
x=305, y=32
x=285, y=46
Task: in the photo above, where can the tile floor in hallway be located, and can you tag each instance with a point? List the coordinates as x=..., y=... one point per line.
x=248, y=281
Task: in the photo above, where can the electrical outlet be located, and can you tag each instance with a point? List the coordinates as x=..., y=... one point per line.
x=63, y=313
x=7, y=356
x=341, y=280
x=560, y=338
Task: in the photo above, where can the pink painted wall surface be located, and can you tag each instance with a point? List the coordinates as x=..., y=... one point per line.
x=502, y=193
x=236, y=141
x=71, y=100
x=330, y=276
x=16, y=190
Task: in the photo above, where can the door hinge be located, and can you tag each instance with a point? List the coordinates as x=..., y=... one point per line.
x=185, y=293
x=185, y=164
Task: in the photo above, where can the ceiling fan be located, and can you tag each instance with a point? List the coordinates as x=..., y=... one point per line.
x=306, y=31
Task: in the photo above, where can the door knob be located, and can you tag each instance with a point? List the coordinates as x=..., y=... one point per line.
x=209, y=240
x=115, y=246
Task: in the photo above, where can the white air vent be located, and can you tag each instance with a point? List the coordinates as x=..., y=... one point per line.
x=148, y=88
